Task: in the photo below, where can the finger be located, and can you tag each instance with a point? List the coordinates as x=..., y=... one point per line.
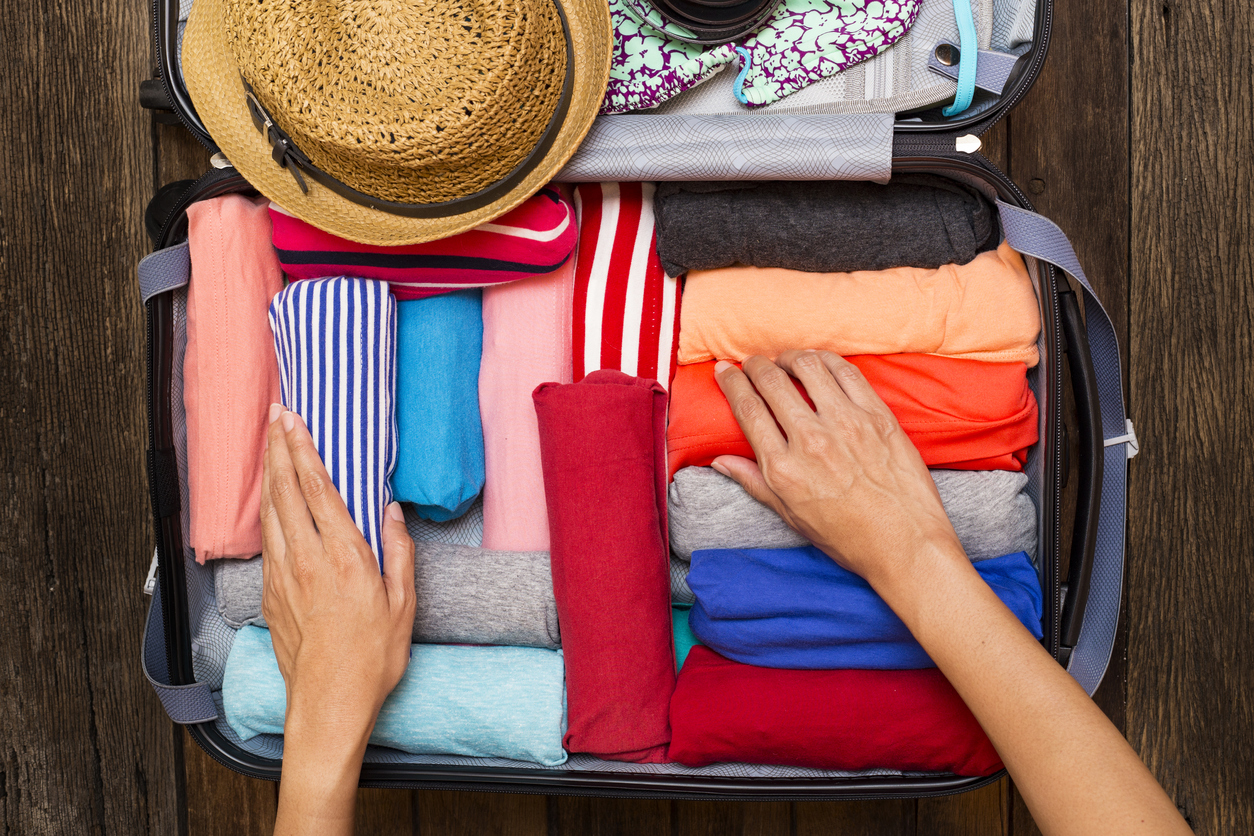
x=751, y=413
x=321, y=496
x=779, y=392
x=398, y=559
x=808, y=367
x=272, y=542
x=289, y=504
x=749, y=476
x=854, y=384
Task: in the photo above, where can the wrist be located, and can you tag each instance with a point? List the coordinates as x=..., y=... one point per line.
x=910, y=583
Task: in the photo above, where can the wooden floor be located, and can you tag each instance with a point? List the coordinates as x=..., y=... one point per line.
x=1137, y=140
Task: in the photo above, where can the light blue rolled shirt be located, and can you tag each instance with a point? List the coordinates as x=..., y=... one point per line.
x=483, y=702
x=439, y=340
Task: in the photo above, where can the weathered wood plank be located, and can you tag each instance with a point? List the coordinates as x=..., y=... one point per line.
x=87, y=748
x=608, y=817
x=1190, y=622
x=444, y=813
x=893, y=817
x=220, y=801
x=732, y=818
x=982, y=812
x=382, y=812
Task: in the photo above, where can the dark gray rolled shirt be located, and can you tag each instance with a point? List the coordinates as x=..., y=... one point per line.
x=916, y=220
x=990, y=510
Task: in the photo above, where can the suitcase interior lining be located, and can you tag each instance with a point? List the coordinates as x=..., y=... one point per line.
x=212, y=637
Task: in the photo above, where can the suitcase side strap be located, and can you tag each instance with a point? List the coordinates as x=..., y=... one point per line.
x=164, y=270
x=185, y=704
x=1038, y=237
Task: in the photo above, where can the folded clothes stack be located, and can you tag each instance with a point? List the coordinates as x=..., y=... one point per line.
x=907, y=281
x=542, y=401
x=419, y=399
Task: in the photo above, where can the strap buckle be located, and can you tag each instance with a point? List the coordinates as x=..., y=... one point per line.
x=1134, y=446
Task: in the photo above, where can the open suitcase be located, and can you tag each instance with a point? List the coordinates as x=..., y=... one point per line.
x=186, y=641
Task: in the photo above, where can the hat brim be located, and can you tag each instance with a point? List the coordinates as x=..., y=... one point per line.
x=217, y=90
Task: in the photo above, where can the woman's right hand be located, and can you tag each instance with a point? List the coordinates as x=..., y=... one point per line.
x=844, y=474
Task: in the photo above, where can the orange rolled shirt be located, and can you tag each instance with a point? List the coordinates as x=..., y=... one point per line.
x=983, y=310
x=960, y=414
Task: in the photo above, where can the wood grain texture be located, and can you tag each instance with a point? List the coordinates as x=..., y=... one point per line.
x=442, y=813
x=890, y=817
x=609, y=817
x=732, y=818
x=382, y=812
x=1190, y=562
x=982, y=812
x=221, y=801
x=86, y=745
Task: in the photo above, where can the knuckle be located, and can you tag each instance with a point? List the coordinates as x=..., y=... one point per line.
x=283, y=486
x=884, y=423
x=809, y=360
x=814, y=443
x=847, y=372
x=315, y=487
x=747, y=406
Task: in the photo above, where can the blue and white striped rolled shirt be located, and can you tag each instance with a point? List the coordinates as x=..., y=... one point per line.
x=336, y=344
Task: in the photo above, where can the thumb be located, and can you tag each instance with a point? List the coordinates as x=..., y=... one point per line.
x=398, y=559
x=749, y=476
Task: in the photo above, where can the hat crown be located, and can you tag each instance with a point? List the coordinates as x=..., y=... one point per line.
x=405, y=100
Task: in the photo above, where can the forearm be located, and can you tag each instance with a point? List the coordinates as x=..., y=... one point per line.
x=321, y=766
x=1076, y=772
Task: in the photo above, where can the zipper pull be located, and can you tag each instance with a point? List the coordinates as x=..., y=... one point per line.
x=968, y=144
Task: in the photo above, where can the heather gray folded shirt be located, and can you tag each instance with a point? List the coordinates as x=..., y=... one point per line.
x=466, y=595
x=916, y=220
x=990, y=511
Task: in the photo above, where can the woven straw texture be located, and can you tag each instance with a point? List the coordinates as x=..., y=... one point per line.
x=413, y=101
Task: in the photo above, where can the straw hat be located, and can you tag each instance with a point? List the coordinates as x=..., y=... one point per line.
x=393, y=122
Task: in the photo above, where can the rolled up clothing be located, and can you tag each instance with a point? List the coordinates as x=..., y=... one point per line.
x=230, y=376
x=991, y=512
x=795, y=608
x=439, y=463
x=602, y=444
x=534, y=239
x=464, y=596
x=626, y=309
x=685, y=641
x=983, y=310
x=912, y=721
x=482, y=702
x=833, y=226
x=336, y=344
x=526, y=342
x=960, y=414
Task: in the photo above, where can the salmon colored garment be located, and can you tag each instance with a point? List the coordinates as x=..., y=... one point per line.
x=526, y=342
x=230, y=373
x=983, y=310
x=961, y=414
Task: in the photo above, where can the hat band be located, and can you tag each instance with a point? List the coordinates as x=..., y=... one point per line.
x=288, y=156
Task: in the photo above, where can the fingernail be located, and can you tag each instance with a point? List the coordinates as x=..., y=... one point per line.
x=721, y=469
x=721, y=366
x=289, y=421
x=276, y=409
x=395, y=512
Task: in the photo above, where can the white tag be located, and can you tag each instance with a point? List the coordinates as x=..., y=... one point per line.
x=150, y=582
x=1134, y=446
x=219, y=160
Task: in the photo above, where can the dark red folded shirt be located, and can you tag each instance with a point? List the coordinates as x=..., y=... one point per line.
x=912, y=721
x=602, y=450
x=961, y=414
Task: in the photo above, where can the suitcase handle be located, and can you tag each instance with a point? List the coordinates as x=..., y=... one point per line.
x=1095, y=619
x=1075, y=593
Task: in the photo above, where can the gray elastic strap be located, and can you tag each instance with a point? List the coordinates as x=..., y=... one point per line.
x=1037, y=237
x=743, y=146
x=186, y=704
x=992, y=70
x=164, y=270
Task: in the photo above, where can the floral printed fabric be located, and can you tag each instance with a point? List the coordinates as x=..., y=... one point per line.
x=647, y=67
x=803, y=42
